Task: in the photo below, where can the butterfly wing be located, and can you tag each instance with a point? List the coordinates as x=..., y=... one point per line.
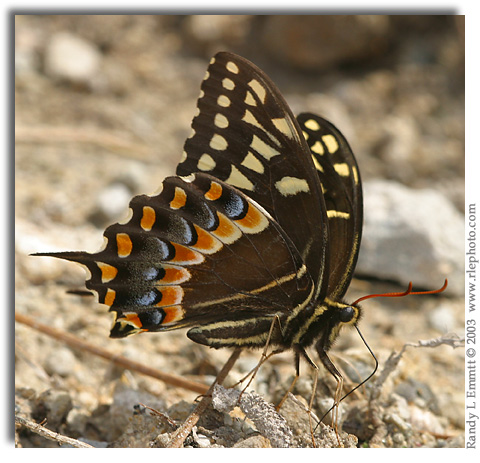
x=342, y=191
x=245, y=135
x=198, y=253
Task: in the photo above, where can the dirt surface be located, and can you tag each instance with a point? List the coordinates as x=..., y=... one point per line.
x=87, y=142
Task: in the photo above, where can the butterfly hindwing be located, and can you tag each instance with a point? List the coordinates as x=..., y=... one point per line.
x=197, y=253
x=339, y=176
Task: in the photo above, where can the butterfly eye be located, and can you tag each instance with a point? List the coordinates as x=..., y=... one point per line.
x=346, y=314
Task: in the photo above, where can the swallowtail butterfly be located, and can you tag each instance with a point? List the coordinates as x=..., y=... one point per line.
x=256, y=237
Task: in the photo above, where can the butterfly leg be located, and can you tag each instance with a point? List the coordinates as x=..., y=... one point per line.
x=332, y=369
x=301, y=351
x=290, y=389
x=264, y=356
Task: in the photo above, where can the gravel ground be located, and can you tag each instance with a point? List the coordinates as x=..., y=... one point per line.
x=94, y=130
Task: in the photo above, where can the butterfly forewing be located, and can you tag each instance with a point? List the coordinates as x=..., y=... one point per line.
x=246, y=135
x=342, y=191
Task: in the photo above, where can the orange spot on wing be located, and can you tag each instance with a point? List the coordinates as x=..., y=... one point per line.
x=133, y=319
x=175, y=275
x=186, y=256
x=148, y=218
x=109, y=297
x=226, y=230
x=173, y=314
x=179, y=199
x=214, y=192
x=254, y=221
x=206, y=242
x=171, y=295
x=124, y=245
x=108, y=272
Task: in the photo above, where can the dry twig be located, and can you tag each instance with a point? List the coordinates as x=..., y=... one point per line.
x=183, y=431
x=51, y=435
x=119, y=360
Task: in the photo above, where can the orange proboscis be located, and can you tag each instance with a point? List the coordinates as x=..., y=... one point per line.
x=408, y=292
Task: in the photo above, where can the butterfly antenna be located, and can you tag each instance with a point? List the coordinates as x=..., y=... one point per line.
x=358, y=385
x=408, y=292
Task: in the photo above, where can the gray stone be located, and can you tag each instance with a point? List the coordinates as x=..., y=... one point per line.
x=411, y=235
x=72, y=58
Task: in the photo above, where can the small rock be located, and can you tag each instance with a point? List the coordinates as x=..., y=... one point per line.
x=60, y=361
x=443, y=318
x=72, y=58
x=411, y=235
x=426, y=421
x=112, y=204
x=54, y=405
x=319, y=42
x=255, y=442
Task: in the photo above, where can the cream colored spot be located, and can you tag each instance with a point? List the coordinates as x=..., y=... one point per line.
x=259, y=89
x=263, y=149
x=318, y=166
x=250, y=100
x=251, y=119
x=317, y=148
x=289, y=186
x=342, y=169
x=312, y=124
x=192, y=133
x=157, y=192
x=229, y=84
x=126, y=218
x=331, y=142
x=355, y=175
x=337, y=214
x=221, y=121
x=207, y=76
x=305, y=135
x=103, y=246
x=206, y=163
x=188, y=178
x=239, y=180
x=251, y=162
x=223, y=101
x=218, y=142
x=184, y=157
x=232, y=67
x=282, y=125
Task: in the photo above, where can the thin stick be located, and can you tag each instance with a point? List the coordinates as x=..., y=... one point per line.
x=85, y=135
x=183, y=431
x=119, y=360
x=44, y=432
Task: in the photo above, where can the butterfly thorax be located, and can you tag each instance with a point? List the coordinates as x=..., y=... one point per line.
x=320, y=322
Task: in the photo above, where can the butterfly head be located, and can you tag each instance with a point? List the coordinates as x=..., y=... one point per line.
x=336, y=316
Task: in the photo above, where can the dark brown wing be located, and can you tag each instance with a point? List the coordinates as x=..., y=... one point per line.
x=342, y=191
x=246, y=135
x=199, y=252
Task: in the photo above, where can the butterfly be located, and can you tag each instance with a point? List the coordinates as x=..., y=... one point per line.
x=255, y=239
